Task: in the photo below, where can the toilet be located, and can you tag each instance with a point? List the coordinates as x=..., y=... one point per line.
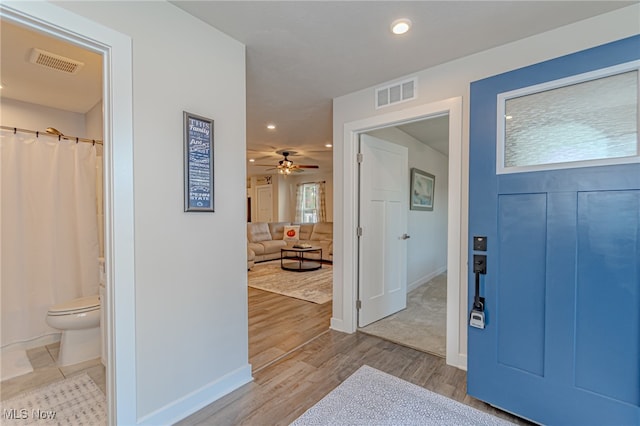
x=79, y=321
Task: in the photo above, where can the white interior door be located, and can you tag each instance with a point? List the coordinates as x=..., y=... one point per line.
x=384, y=194
x=264, y=203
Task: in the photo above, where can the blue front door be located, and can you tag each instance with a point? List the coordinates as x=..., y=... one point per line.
x=561, y=341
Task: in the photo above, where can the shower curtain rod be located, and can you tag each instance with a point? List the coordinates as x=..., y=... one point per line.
x=60, y=137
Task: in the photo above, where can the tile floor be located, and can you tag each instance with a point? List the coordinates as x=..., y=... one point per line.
x=43, y=360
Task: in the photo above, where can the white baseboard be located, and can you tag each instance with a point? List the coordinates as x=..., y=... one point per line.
x=425, y=279
x=189, y=404
x=339, y=325
x=462, y=361
x=458, y=361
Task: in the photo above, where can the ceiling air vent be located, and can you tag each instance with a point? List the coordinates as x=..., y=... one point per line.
x=54, y=62
x=396, y=92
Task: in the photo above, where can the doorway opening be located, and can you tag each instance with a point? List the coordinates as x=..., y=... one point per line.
x=346, y=289
x=65, y=162
x=115, y=49
x=422, y=324
x=290, y=306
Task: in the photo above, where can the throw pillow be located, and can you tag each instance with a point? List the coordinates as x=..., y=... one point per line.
x=291, y=233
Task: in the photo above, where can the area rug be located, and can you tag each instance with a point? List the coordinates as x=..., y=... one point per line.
x=423, y=324
x=14, y=363
x=312, y=286
x=74, y=401
x=372, y=397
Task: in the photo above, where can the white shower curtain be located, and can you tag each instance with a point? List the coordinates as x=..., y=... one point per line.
x=49, y=230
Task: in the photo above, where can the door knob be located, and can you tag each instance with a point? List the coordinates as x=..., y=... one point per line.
x=406, y=236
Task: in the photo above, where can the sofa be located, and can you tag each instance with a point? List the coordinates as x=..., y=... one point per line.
x=264, y=240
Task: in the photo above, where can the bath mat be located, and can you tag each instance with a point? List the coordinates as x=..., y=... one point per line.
x=312, y=286
x=73, y=401
x=372, y=397
x=14, y=363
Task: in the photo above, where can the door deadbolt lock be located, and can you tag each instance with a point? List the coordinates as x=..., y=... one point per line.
x=480, y=264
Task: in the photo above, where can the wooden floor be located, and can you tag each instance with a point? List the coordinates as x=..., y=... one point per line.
x=279, y=324
x=284, y=390
x=291, y=376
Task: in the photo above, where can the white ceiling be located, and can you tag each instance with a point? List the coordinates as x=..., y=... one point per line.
x=432, y=131
x=27, y=82
x=300, y=55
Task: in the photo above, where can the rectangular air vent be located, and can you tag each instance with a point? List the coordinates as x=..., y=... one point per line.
x=54, y=62
x=397, y=92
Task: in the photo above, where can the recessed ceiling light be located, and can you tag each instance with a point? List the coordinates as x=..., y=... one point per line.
x=400, y=26
x=271, y=126
x=508, y=117
x=251, y=160
x=328, y=145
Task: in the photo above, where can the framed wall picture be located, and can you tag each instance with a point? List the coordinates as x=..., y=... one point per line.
x=198, y=163
x=423, y=186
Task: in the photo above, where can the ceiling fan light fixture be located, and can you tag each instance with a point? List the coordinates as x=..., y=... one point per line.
x=400, y=26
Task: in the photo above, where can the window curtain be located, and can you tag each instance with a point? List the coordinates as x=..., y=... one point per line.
x=299, y=202
x=322, y=207
x=320, y=202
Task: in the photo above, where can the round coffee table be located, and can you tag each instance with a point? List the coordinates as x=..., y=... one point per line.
x=292, y=259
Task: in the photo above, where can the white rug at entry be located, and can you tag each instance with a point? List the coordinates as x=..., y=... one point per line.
x=372, y=397
x=74, y=401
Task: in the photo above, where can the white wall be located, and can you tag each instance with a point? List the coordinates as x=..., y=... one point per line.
x=30, y=116
x=94, y=122
x=190, y=268
x=452, y=80
x=427, y=247
x=283, y=199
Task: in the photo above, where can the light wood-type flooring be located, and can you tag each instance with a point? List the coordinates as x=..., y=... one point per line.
x=284, y=390
x=279, y=324
x=297, y=360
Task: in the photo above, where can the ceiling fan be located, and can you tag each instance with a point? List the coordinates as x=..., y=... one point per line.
x=286, y=166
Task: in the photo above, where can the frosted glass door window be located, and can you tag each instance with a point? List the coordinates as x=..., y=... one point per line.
x=587, y=121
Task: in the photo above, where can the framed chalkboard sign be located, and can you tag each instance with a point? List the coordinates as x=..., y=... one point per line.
x=198, y=163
